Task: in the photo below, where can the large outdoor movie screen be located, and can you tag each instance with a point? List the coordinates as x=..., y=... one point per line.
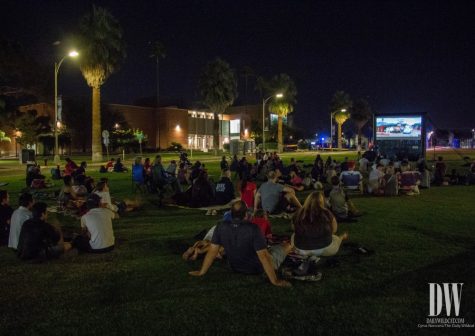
x=398, y=127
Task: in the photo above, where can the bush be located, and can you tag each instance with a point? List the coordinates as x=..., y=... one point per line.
x=175, y=147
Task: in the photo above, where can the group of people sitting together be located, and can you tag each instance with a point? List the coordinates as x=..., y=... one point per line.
x=250, y=249
x=244, y=236
x=26, y=229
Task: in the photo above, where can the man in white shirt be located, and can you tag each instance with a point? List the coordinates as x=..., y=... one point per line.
x=363, y=165
x=19, y=216
x=375, y=179
x=98, y=235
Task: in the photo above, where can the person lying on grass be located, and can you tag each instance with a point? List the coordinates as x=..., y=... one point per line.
x=39, y=239
x=245, y=247
x=315, y=228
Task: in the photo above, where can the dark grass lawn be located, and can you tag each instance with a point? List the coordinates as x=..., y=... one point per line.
x=143, y=286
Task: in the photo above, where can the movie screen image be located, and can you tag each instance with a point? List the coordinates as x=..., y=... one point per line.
x=394, y=127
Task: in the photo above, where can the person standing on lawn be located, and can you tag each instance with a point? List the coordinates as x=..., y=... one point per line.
x=245, y=247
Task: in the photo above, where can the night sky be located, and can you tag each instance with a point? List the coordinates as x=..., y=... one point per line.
x=401, y=56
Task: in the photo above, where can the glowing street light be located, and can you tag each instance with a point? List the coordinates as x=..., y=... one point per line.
x=72, y=54
x=264, y=101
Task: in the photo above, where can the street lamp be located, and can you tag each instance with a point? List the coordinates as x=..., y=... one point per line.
x=72, y=54
x=331, y=125
x=264, y=101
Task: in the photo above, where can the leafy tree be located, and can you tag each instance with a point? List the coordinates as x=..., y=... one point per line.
x=218, y=90
x=339, y=108
x=3, y=137
x=21, y=74
x=102, y=53
x=281, y=83
x=360, y=114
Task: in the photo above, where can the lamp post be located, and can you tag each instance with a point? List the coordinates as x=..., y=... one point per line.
x=56, y=71
x=264, y=101
x=331, y=126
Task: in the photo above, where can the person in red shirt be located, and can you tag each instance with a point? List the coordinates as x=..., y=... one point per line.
x=248, y=191
x=262, y=221
x=70, y=167
x=296, y=181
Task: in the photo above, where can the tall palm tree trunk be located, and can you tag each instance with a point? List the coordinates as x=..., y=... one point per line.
x=358, y=147
x=96, y=125
x=280, y=141
x=216, y=132
x=339, y=136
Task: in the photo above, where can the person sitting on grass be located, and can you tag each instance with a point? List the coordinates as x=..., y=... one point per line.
x=351, y=178
x=81, y=169
x=6, y=212
x=110, y=165
x=275, y=197
x=39, y=239
x=67, y=196
x=119, y=167
x=102, y=189
x=375, y=180
x=315, y=228
x=248, y=191
x=341, y=206
x=440, y=171
x=19, y=216
x=202, y=193
x=97, y=235
x=246, y=248
x=409, y=181
x=160, y=177
x=224, y=190
x=138, y=172
x=171, y=169
x=70, y=167
x=202, y=247
x=262, y=221
x=296, y=182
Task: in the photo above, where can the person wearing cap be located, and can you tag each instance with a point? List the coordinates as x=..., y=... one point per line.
x=97, y=235
x=275, y=197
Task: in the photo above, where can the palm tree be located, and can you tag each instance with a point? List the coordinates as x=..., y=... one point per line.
x=158, y=51
x=218, y=90
x=102, y=52
x=340, y=106
x=360, y=114
x=282, y=83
